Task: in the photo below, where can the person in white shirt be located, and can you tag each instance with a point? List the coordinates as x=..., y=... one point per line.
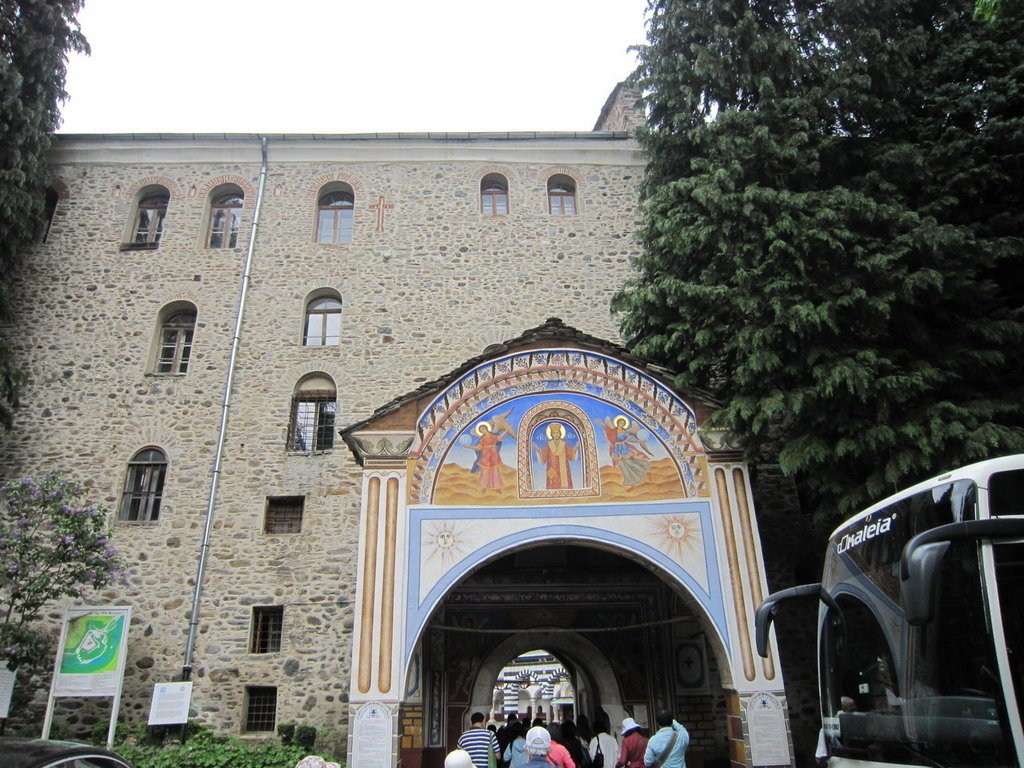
x=609, y=747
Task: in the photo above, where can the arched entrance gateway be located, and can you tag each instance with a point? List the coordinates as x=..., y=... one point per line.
x=555, y=495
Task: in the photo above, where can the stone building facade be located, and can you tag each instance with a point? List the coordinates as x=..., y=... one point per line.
x=355, y=282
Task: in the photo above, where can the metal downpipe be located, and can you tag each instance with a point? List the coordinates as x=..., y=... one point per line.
x=193, y=625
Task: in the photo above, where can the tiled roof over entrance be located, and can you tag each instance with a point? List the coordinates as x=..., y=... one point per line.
x=402, y=412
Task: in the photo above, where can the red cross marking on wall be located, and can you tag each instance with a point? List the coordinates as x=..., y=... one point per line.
x=380, y=206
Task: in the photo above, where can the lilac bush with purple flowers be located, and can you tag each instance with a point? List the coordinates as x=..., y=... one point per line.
x=53, y=544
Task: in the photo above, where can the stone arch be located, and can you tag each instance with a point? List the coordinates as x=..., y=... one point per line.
x=248, y=191
x=706, y=604
x=183, y=295
x=138, y=185
x=297, y=373
x=561, y=170
x=572, y=647
x=341, y=175
x=486, y=170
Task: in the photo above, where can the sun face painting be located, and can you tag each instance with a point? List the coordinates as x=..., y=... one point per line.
x=540, y=450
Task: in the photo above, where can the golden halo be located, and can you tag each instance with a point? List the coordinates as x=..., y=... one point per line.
x=620, y=417
x=547, y=431
x=482, y=425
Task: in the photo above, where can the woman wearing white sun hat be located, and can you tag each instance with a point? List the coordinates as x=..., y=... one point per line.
x=634, y=744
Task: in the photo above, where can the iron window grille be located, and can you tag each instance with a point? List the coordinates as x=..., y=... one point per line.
x=284, y=514
x=312, y=422
x=267, y=626
x=260, y=708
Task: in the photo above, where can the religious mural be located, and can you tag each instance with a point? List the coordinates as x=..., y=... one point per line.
x=535, y=449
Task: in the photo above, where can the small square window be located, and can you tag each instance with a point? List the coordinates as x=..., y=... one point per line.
x=260, y=707
x=284, y=514
x=267, y=623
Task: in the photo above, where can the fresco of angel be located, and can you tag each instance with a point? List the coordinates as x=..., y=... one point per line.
x=628, y=450
x=487, y=447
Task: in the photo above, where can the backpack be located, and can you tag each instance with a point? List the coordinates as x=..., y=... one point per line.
x=588, y=762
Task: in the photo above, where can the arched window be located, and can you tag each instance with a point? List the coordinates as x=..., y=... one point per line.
x=561, y=195
x=494, y=195
x=314, y=406
x=143, y=486
x=323, y=322
x=177, y=329
x=150, y=210
x=336, y=206
x=225, y=216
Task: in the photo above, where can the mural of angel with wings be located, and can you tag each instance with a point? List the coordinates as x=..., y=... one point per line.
x=487, y=447
x=627, y=448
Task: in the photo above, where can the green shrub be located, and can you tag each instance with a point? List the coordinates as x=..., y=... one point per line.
x=209, y=750
x=287, y=732
x=305, y=736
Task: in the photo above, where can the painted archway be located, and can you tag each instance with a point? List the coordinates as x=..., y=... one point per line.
x=547, y=442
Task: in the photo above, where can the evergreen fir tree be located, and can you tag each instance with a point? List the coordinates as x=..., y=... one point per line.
x=832, y=231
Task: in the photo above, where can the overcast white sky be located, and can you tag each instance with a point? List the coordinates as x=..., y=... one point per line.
x=342, y=66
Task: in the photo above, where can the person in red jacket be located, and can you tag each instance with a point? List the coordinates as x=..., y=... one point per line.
x=634, y=744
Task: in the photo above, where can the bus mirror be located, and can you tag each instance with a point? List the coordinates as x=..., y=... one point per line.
x=919, y=588
x=922, y=556
x=770, y=605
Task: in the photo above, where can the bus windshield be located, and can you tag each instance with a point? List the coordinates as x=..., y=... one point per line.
x=930, y=694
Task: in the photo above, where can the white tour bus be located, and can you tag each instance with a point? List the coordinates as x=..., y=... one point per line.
x=921, y=624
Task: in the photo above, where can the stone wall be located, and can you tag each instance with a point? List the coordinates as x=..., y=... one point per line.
x=431, y=285
x=622, y=111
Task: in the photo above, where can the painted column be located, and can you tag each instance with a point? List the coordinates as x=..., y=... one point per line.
x=377, y=688
x=755, y=680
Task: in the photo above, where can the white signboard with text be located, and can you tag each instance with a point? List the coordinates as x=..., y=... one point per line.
x=170, y=703
x=766, y=727
x=6, y=691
